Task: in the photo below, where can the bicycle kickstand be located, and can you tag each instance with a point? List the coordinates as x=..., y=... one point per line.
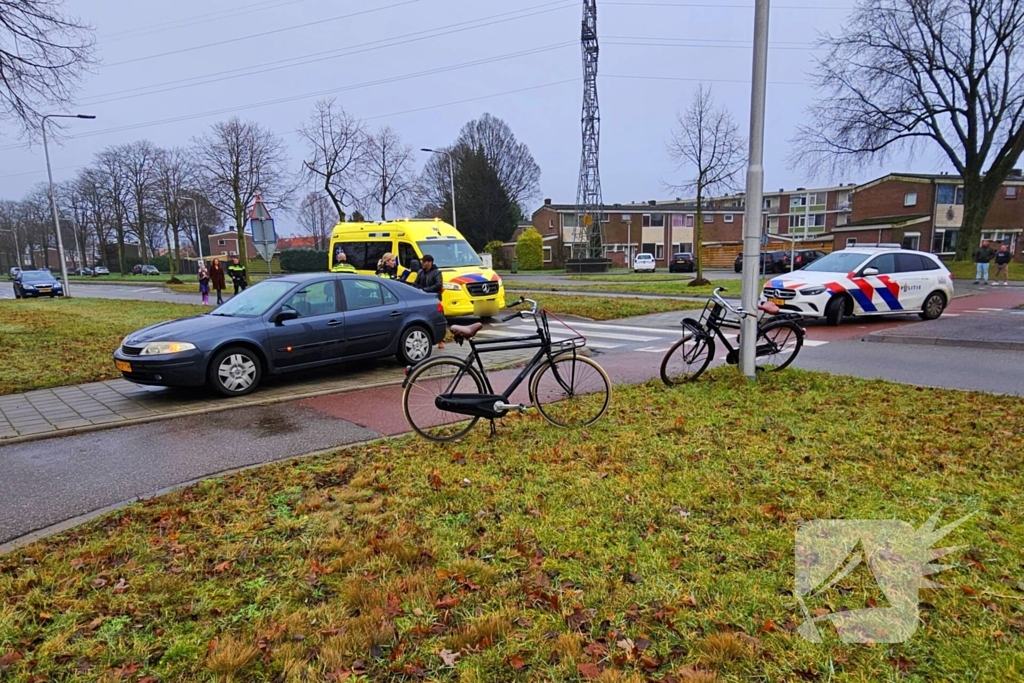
x=494, y=431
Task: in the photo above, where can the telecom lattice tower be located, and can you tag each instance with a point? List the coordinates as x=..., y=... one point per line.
x=588, y=240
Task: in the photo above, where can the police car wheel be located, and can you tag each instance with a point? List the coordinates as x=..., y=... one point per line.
x=933, y=307
x=834, y=310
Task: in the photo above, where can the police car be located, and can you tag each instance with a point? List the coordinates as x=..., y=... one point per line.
x=865, y=281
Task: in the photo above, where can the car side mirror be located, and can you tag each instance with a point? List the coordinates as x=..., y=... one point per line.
x=284, y=315
x=414, y=265
x=868, y=272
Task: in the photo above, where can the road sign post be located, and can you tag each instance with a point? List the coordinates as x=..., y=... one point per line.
x=264, y=237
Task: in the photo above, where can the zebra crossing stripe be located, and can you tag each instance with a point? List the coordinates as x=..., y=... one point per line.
x=501, y=333
x=601, y=335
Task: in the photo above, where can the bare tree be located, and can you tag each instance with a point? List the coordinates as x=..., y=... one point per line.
x=114, y=189
x=89, y=185
x=43, y=54
x=174, y=176
x=387, y=172
x=238, y=160
x=909, y=74
x=317, y=219
x=137, y=163
x=337, y=147
x=708, y=147
x=511, y=160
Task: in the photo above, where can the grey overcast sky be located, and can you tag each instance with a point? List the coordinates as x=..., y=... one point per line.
x=425, y=67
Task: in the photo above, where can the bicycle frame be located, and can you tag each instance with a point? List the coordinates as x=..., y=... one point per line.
x=716, y=320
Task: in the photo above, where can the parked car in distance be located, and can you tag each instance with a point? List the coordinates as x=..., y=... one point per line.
x=643, y=262
x=36, y=283
x=805, y=257
x=149, y=270
x=13, y=272
x=682, y=263
x=770, y=262
x=857, y=281
x=297, y=322
x=83, y=271
x=100, y=270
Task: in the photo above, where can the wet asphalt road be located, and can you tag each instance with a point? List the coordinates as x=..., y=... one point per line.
x=47, y=482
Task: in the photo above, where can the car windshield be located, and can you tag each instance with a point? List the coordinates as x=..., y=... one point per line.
x=255, y=300
x=450, y=253
x=837, y=262
x=36, y=276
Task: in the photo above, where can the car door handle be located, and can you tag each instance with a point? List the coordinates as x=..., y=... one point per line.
x=334, y=323
x=395, y=314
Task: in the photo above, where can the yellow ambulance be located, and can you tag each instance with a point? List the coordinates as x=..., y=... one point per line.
x=469, y=288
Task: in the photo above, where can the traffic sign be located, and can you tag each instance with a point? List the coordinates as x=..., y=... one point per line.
x=764, y=239
x=264, y=237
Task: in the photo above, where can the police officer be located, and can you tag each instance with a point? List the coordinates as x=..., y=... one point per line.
x=341, y=264
x=236, y=271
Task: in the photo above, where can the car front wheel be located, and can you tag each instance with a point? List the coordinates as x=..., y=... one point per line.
x=933, y=307
x=414, y=346
x=235, y=371
x=834, y=310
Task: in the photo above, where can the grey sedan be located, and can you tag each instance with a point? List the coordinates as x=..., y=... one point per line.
x=285, y=324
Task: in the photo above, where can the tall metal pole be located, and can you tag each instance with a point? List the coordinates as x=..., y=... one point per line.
x=755, y=189
x=17, y=248
x=451, y=178
x=199, y=232
x=53, y=197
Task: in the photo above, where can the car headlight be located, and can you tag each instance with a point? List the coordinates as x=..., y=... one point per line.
x=161, y=348
x=813, y=291
x=32, y=287
x=452, y=287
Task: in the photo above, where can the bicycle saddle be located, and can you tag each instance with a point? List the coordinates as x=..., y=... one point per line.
x=767, y=307
x=466, y=331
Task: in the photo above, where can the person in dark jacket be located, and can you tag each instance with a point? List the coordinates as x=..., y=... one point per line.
x=204, y=285
x=217, y=280
x=237, y=273
x=982, y=257
x=429, y=278
x=1002, y=264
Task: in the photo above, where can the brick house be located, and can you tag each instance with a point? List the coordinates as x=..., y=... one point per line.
x=925, y=212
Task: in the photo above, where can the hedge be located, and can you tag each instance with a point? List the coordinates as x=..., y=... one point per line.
x=303, y=260
x=530, y=250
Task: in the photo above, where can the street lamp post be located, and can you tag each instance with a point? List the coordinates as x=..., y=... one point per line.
x=53, y=197
x=451, y=175
x=755, y=189
x=199, y=232
x=17, y=248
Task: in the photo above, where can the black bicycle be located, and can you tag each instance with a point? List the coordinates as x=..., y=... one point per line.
x=569, y=390
x=780, y=337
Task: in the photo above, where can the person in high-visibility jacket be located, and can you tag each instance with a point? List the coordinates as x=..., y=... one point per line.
x=236, y=271
x=388, y=268
x=341, y=264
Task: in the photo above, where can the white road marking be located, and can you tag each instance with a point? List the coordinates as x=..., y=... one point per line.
x=814, y=342
x=146, y=289
x=982, y=308
x=627, y=328
x=587, y=334
x=499, y=333
x=951, y=315
x=653, y=350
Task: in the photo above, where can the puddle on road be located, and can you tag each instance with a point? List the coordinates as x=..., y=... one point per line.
x=274, y=425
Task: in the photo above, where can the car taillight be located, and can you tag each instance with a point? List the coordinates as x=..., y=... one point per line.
x=440, y=307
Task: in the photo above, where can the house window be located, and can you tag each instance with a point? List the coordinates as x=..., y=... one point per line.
x=551, y=222
x=659, y=252
x=606, y=218
x=547, y=254
x=910, y=199
x=677, y=220
x=220, y=243
x=647, y=248
x=851, y=242
x=797, y=200
x=709, y=218
x=1011, y=192
x=626, y=218
x=647, y=220
x=797, y=221
x=689, y=220
x=818, y=199
x=657, y=220
x=769, y=202
x=945, y=194
x=944, y=241
x=728, y=218
x=773, y=225
x=816, y=220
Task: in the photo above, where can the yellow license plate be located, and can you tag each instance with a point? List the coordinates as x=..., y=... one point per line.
x=123, y=366
x=777, y=302
x=485, y=309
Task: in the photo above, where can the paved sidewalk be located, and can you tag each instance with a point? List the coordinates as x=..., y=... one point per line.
x=99, y=405
x=999, y=330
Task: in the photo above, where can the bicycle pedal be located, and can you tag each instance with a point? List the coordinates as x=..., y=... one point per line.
x=499, y=406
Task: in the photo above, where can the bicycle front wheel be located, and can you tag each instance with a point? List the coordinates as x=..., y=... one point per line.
x=439, y=377
x=571, y=391
x=777, y=346
x=687, y=359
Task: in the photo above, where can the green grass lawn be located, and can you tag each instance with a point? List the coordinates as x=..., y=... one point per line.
x=674, y=287
x=607, y=308
x=49, y=343
x=965, y=270
x=657, y=545
x=117, y=278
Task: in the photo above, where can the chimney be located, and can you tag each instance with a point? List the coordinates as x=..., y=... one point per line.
x=801, y=189
x=547, y=202
x=782, y=189
x=652, y=202
x=1015, y=174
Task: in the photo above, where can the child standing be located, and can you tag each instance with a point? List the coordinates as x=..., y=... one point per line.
x=204, y=285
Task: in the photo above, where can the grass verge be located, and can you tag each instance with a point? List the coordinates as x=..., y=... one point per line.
x=607, y=308
x=50, y=343
x=676, y=287
x=656, y=545
x=965, y=270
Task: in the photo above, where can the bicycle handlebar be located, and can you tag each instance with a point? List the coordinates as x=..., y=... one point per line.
x=520, y=314
x=718, y=298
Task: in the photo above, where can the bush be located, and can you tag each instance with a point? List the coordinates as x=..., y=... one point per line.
x=494, y=248
x=530, y=250
x=303, y=260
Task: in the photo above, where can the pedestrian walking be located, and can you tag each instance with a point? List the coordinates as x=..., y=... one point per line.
x=204, y=285
x=236, y=271
x=982, y=257
x=429, y=278
x=1002, y=265
x=217, y=280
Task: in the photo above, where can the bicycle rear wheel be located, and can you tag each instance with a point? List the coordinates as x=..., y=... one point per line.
x=438, y=377
x=571, y=391
x=687, y=359
x=777, y=346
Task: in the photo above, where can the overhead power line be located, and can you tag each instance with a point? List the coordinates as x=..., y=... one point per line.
x=194, y=20
x=724, y=6
x=263, y=33
x=361, y=48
